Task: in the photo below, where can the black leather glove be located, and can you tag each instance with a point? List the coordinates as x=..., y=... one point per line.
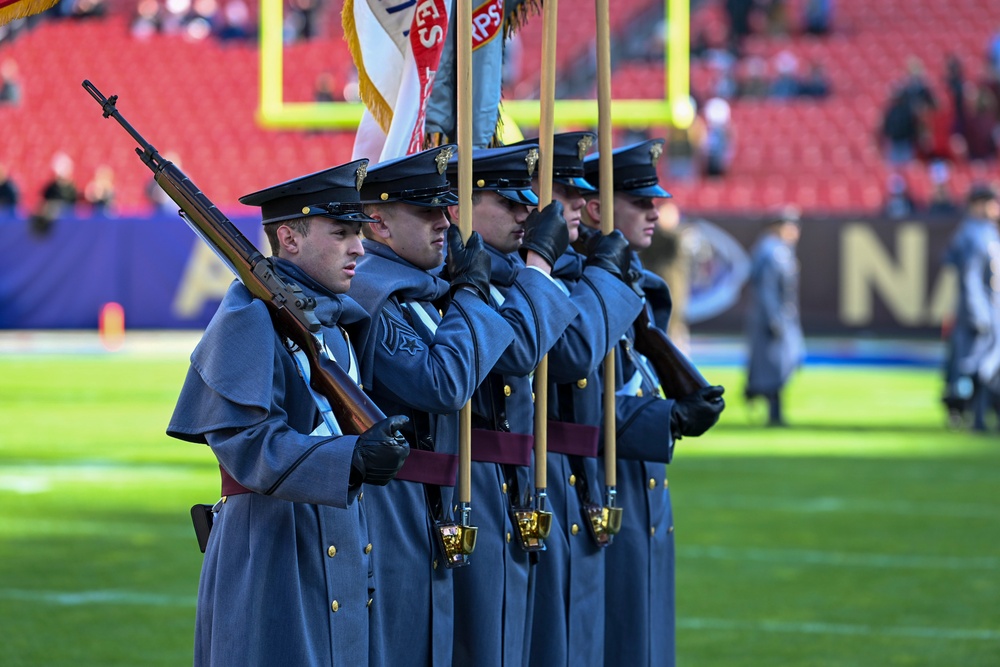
x=586, y=240
x=698, y=412
x=545, y=232
x=468, y=264
x=380, y=452
x=610, y=252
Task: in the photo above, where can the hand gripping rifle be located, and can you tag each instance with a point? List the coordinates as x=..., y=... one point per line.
x=291, y=311
x=678, y=376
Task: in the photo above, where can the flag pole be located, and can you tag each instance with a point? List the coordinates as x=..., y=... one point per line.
x=545, y=141
x=606, y=186
x=463, y=41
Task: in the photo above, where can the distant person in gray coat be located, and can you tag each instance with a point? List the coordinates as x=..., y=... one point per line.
x=773, y=328
x=973, y=358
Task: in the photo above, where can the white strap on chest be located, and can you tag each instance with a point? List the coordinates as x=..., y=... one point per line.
x=329, y=425
x=421, y=314
x=497, y=296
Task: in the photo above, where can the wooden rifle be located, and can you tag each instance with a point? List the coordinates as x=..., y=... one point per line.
x=291, y=311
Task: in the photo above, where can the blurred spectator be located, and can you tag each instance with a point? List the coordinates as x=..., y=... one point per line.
x=718, y=142
x=954, y=82
x=302, y=21
x=754, y=83
x=724, y=67
x=175, y=16
x=899, y=130
x=202, y=21
x=85, y=9
x=815, y=83
x=683, y=144
x=58, y=194
x=10, y=82
x=9, y=194
x=100, y=191
x=235, y=21
x=777, y=17
x=148, y=19
x=818, y=16
x=915, y=86
x=739, y=23
x=941, y=203
x=981, y=123
x=786, y=67
x=993, y=52
x=898, y=200
x=323, y=90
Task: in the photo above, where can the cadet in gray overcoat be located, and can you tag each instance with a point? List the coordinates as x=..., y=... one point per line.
x=773, y=328
x=639, y=618
x=287, y=576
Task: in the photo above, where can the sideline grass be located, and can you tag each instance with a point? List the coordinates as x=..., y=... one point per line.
x=864, y=535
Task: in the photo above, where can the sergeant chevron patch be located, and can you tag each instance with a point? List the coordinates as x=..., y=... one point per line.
x=397, y=335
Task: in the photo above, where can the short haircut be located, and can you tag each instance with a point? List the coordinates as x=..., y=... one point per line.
x=300, y=225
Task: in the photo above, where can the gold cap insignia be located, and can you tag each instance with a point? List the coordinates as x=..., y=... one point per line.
x=385, y=196
x=443, y=157
x=360, y=178
x=480, y=183
x=583, y=146
x=532, y=159
x=306, y=209
x=655, y=151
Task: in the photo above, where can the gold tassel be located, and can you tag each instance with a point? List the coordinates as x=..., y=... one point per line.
x=24, y=8
x=370, y=95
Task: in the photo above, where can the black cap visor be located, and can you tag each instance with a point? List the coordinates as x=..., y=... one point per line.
x=522, y=196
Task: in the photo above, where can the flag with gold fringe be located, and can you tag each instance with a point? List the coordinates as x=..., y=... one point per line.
x=493, y=21
x=396, y=47
x=11, y=10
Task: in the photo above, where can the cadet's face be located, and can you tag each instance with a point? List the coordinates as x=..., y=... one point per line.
x=417, y=234
x=330, y=252
x=636, y=218
x=499, y=221
x=573, y=203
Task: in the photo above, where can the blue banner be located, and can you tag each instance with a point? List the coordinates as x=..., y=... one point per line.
x=163, y=275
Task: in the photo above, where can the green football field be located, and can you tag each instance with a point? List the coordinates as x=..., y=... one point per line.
x=865, y=534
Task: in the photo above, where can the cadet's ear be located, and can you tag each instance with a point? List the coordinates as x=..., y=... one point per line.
x=453, y=214
x=379, y=229
x=593, y=210
x=288, y=239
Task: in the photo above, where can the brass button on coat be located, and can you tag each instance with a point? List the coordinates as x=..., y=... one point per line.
x=434, y=565
x=664, y=482
x=572, y=480
x=370, y=600
x=508, y=537
x=652, y=483
x=670, y=529
x=574, y=529
x=332, y=551
x=506, y=390
x=335, y=606
x=638, y=392
x=582, y=383
x=503, y=487
x=368, y=548
x=652, y=530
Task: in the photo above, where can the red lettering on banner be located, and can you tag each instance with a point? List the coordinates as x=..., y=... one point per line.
x=487, y=19
x=427, y=33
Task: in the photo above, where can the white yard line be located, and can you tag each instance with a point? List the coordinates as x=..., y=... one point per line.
x=838, y=629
